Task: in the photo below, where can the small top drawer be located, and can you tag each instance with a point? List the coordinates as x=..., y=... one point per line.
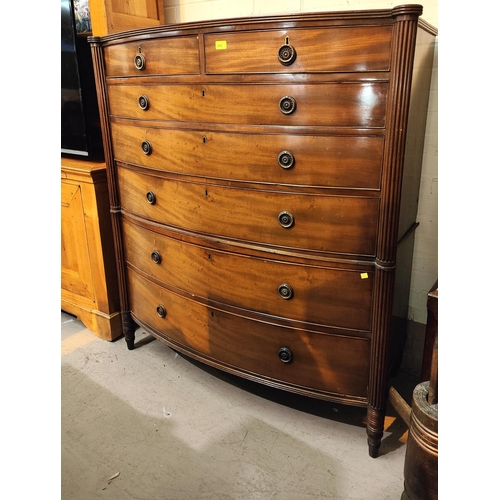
x=339, y=49
x=167, y=56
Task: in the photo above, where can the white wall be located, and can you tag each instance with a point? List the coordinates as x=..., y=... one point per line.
x=425, y=261
x=179, y=11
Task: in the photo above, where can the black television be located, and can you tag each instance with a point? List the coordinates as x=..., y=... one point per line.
x=81, y=135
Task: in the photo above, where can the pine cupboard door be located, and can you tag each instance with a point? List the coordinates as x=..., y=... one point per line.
x=76, y=275
x=89, y=288
x=112, y=16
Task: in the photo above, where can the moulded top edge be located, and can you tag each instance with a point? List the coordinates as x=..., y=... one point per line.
x=231, y=23
x=422, y=23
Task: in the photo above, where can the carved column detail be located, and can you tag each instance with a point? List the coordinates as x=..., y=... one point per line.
x=404, y=39
x=100, y=80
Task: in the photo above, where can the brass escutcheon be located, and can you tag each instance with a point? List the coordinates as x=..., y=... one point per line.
x=286, y=54
x=151, y=197
x=285, y=291
x=156, y=257
x=143, y=102
x=286, y=159
x=285, y=219
x=285, y=354
x=287, y=105
x=161, y=311
x=140, y=60
x=147, y=149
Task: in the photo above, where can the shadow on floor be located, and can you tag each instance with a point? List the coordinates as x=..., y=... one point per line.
x=351, y=415
x=103, y=435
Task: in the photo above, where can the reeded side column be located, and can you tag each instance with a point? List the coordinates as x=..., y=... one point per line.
x=98, y=62
x=403, y=43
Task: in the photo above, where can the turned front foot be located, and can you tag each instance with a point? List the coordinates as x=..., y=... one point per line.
x=129, y=327
x=375, y=430
x=374, y=447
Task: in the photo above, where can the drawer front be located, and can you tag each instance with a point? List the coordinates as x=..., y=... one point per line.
x=334, y=161
x=166, y=56
x=349, y=49
x=323, y=223
x=322, y=362
x=319, y=295
x=333, y=104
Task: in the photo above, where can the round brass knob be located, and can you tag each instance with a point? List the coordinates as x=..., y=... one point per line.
x=161, y=311
x=285, y=219
x=147, y=149
x=287, y=105
x=285, y=354
x=286, y=55
x=140, y=61
x=285, y=291
x=143, y=102
x=151, y=197
x=156, y=257
x=286, y=159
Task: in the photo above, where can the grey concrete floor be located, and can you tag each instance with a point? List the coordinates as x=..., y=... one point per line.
x=153, y=424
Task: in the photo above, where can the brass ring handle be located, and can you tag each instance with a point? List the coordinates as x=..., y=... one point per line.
x=285, y=291
x=286, y=159
x=151, y=197
x=161, y=311
x=285, y=354
x=286, y=55
x=156, y=257
x=286, y=219
x=143, y=102
x=287, y=105
x=147, y=149
x=140, y=61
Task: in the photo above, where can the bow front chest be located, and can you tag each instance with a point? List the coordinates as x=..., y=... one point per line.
x=263, y=178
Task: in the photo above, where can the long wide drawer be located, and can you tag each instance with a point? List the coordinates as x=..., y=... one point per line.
x=321, y=104
x=339, y=224
x=346, y=49
x=292, y=159
x=317, y=295
x=320, y=362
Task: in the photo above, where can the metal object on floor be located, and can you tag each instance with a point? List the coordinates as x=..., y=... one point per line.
x=421, y=459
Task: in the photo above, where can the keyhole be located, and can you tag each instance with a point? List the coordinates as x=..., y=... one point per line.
x=202, y=93
x=204, y=140
x=287, y=39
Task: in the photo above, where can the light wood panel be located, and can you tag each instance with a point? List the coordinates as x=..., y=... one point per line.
x=112, y=16
x=89, y=288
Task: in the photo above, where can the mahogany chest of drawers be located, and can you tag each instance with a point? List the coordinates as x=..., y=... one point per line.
x=264, y=176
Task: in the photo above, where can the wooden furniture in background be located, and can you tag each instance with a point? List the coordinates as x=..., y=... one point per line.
x=112, y=16
x=89, y=287
x=431, y=332
x=259, y=201
x=421, y=457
